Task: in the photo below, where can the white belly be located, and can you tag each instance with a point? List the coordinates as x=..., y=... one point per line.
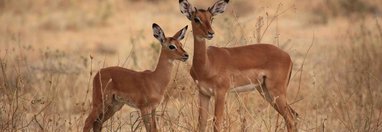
x=245, y=88
x=125, y=101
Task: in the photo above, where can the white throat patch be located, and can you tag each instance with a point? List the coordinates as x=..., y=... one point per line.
x=200, y=38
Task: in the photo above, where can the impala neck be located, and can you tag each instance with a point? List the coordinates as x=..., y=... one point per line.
x=163, y=70
x=200, y=59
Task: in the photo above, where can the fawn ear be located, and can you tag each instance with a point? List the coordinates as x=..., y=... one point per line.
x=218, y=7
x=186, y=8
x=180, y=34
x=158, y=33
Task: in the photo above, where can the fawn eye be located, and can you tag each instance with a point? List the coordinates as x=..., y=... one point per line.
x=172, y=47
x=197, y=20
x=212, y=19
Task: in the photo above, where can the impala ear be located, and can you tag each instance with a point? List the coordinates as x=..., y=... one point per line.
x=158, y=33
x=180, y=34
x=186, y=8
x=218, y=7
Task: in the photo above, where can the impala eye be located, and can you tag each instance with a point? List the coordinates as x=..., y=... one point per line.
x=172, y=47
x=197, y=20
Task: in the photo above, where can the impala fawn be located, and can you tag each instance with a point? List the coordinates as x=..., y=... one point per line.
x=115, y=86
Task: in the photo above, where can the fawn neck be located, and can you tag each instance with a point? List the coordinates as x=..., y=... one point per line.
x=200, y=59
x=162, y=72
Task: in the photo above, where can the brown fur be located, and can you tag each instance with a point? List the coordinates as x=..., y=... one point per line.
x=115, y=86
x=217, y=70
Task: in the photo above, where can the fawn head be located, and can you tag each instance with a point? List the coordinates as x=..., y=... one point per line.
x=201, y=19
x=171, y=45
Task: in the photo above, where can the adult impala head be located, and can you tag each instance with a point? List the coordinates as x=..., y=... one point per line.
x=201, y=19
x=171, y=45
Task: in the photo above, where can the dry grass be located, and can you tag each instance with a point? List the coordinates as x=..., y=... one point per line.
x=49, y=50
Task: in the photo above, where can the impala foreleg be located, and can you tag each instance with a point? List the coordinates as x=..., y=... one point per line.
x=148, y=119
x=153, y=119
x=204, y=101
x=219, y=110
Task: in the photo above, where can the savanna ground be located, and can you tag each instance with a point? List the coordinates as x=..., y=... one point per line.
x=49, y=51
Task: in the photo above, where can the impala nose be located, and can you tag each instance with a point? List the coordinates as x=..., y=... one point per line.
x=185, y=57
x=210, y=34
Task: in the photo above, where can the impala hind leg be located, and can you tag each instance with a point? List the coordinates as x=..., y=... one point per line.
x=109, y=111
x=97, y=124
x=277, y=98
x=283, y=108
x=92, y=118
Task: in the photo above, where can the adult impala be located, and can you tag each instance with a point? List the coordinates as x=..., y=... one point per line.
x=217, y=70
x=115, y=86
